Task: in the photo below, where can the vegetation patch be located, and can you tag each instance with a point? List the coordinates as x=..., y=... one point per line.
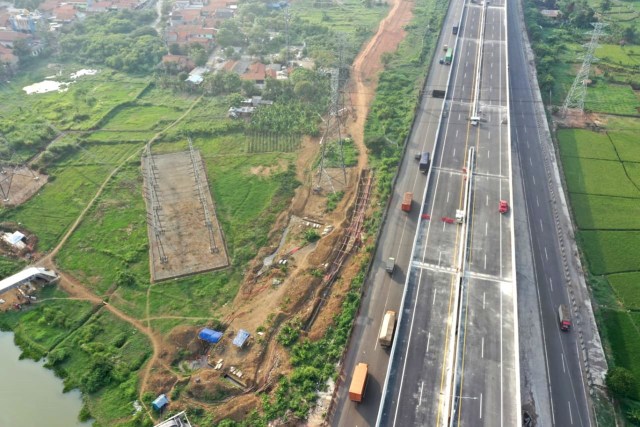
x=586, y=144
x=605, y=212
x=627, y=288
x=611, y=251
x=623, y=336
x=612, y=99
x=601, y=177
x=141, y=117
x=627, y=145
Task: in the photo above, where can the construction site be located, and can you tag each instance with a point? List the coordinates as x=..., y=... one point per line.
x=184, y=234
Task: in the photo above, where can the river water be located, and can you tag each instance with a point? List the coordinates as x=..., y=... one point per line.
x=31, y=395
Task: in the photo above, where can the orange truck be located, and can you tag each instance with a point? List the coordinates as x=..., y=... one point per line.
x=406, y=201
x=358, y=382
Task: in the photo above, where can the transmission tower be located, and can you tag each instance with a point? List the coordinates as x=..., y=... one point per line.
x=11, y=167
x=578, y=91
x=335, y=121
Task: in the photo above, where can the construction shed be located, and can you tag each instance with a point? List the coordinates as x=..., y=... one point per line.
x=241, y=338
x=27, y=275
x=210, y=335
x=160, y=402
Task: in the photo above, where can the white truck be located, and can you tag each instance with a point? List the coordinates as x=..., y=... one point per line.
x=387, y=329
x=390, y=265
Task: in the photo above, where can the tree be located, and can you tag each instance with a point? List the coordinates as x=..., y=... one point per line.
x=621, y=382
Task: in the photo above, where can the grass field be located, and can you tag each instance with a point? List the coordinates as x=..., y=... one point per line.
x=611, y=251
x=612, y=99
x=627, y=145
x=624, y=340
x=586, y=144
x=141, y=118
x=602, y=177
x=627, y=288
x=605, y=212
x=618, y=55
x=50, y=213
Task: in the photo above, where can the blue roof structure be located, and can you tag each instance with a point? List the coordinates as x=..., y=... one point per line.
x=210, y=335
x=160, y=402
x=241, y=338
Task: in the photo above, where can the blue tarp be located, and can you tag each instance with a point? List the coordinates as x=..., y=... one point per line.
x=210, y=335
x=160, y=402
x=241, y=338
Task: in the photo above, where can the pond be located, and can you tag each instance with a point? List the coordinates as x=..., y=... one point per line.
x=31, y=395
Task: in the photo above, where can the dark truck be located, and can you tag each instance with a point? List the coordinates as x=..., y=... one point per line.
x=455, y=29
x=425, y=161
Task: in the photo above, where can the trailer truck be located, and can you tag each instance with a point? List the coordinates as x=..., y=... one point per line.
x=358, y=382
x=406, y=201
x=448, y=57
x=564, y=317
x=387, y=329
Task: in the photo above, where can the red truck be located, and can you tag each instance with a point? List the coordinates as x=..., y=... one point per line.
x=564, y=317
x=406, y=201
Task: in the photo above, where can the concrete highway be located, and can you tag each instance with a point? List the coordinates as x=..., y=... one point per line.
x=439, y=374
x=568, y=401
x=382, y=291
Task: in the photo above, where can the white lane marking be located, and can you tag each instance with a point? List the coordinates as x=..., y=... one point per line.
x=551, y=284
x=541, y=226
x=488, y=154
x=456, y=133
x=546, y=255
x=444, y=225
x=489, y=135
x=491, y=76
x=439, y=258
x=564, y=370
x=486, y=228
x=570, y=414
x=421, y=388
x=487, y=200
x=537, y=201
x=485, y=261
x=484, y=299
x=480, y=405
x=459, y=116
x=482, y=349
x=530, y=161
x=465, y=76
x=428, y=342
x=462, y=88
x=448, y=196
x=525, y=129
x=454, y=152
x=534, y=179
x=435, y=291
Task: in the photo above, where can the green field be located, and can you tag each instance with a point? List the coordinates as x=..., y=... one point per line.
x=50, y=213
x=627, y=145
x=627, y=288
x=624, y=339
x=605, y=212
x=141, y=118
x=612, y=99
x=586, y=144
x=611, y=251
x=602, y=177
